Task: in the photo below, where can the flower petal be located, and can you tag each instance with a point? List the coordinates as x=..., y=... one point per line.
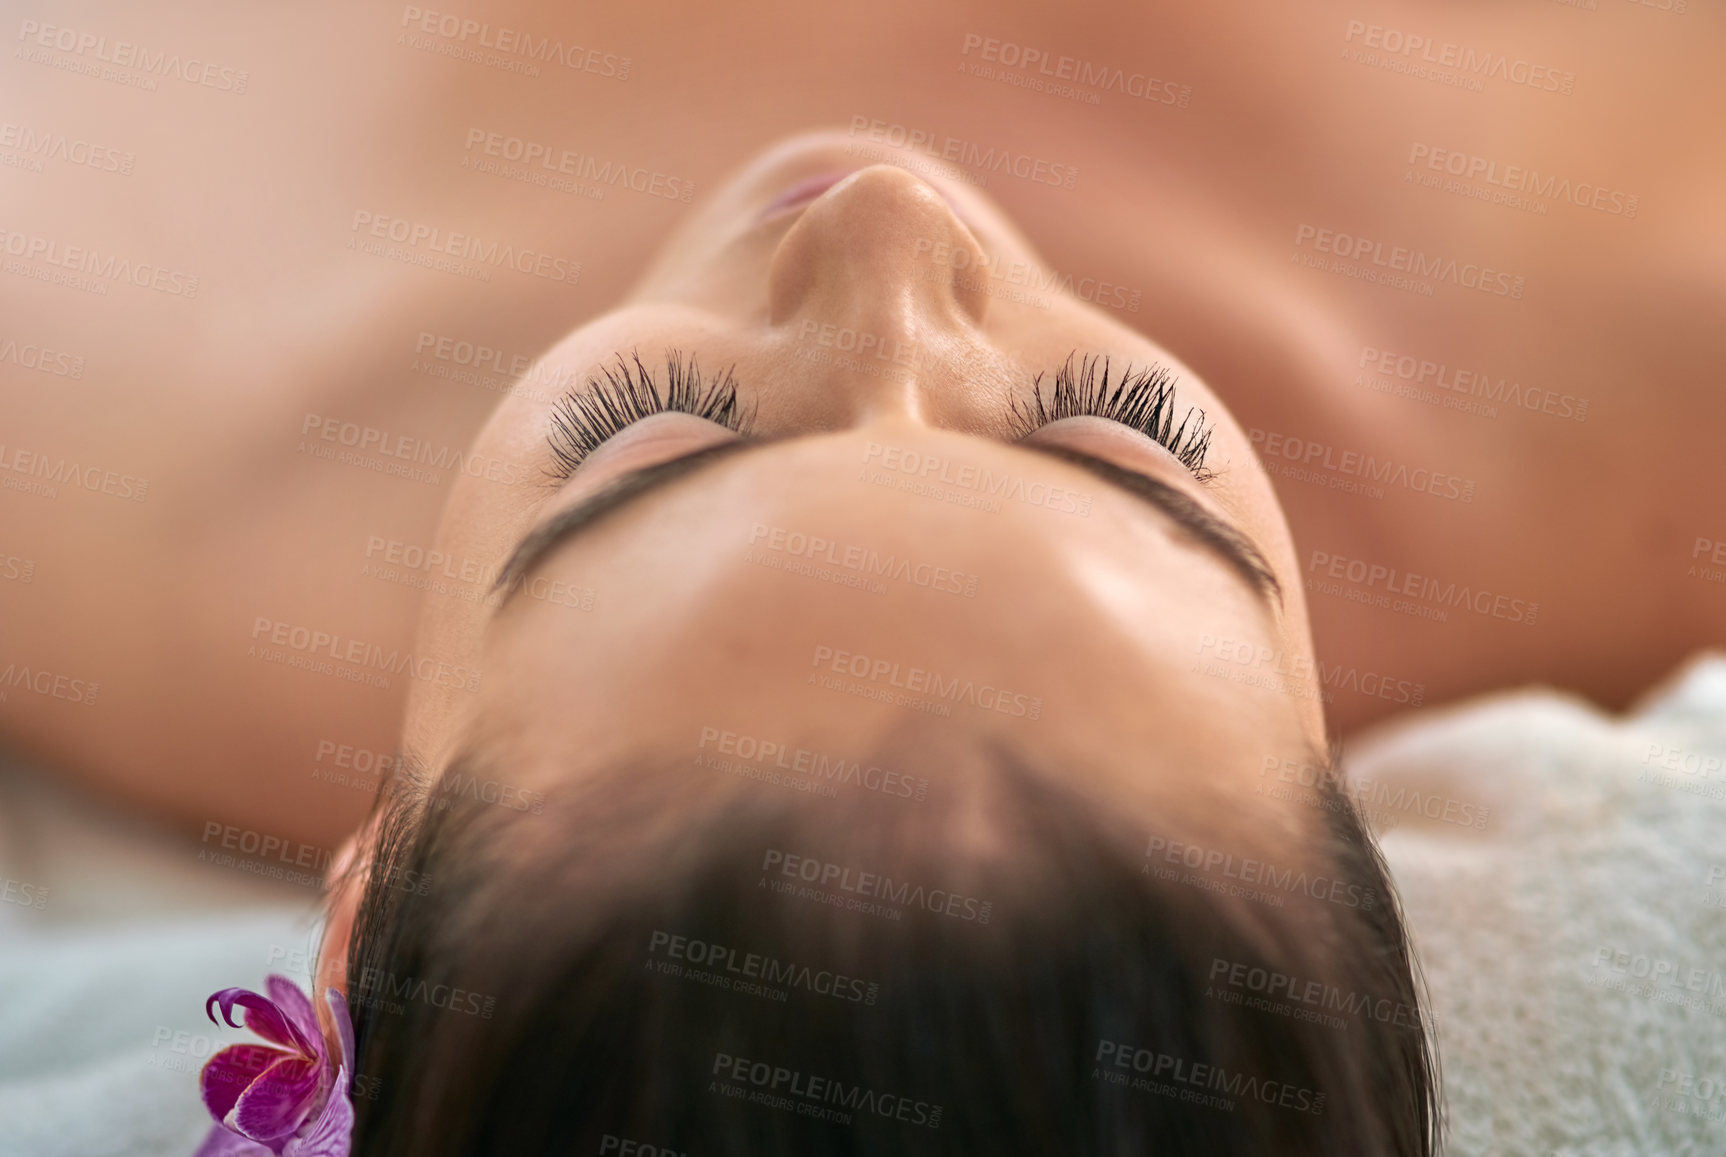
x=262, y=1017
x=224, y=1142
x=225, y=1076
x=332, y=1134
x=296, y=1007
x=344, y=1028
x=278, y=1102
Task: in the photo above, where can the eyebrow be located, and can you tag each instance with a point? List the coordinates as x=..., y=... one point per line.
x=1221, y=538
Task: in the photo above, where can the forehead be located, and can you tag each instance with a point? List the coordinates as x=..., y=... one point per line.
x=827, y=519
x=793, y=591
x=846, y=474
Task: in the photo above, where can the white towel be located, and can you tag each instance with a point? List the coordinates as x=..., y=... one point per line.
x=1576, y=946
x=103, y=977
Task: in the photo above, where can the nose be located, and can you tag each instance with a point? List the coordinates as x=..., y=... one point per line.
x=881, y=252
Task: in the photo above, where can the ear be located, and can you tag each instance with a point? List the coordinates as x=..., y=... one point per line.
x=347, y=883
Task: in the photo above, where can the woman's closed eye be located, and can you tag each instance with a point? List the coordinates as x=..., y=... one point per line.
x=626, y=392
x=1142, y=400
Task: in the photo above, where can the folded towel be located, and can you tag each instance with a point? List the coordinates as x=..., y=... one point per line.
x=1575, y=945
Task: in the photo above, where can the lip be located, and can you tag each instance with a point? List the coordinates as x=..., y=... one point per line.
x=800, y=193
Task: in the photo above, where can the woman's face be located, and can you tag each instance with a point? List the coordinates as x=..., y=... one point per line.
x=890, y=523
x=891, y=544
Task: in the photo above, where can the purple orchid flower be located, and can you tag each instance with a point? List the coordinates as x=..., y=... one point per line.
x=284, y=1101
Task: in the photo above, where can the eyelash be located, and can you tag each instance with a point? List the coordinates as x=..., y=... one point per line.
x=582, y=420
x=1142, y=399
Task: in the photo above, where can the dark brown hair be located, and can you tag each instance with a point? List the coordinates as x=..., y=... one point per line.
x=614, y=970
